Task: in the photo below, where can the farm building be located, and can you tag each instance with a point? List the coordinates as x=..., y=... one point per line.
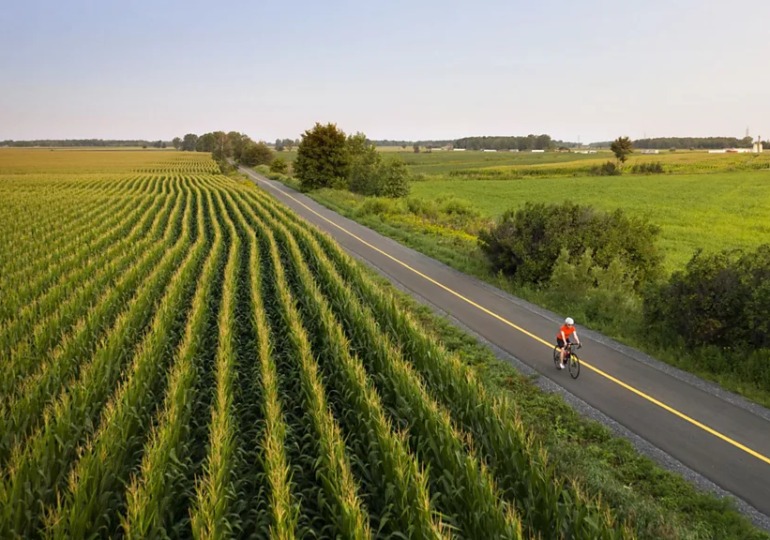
x=538, y=151
x=459, y=149
x=650, y=151
x=490, y=150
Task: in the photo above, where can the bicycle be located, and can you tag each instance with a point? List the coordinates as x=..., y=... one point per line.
x=573, y=362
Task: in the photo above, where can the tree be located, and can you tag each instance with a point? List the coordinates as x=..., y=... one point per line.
x=416, y=148
x=393, y=179
x=222, y=148
x=190, y=142
x=278, y=145
x=177, y=143
x=236, y=141
x=365, y=162
x=323, y=159
x=289, y=144
x=254, y=154
x=205, y=143
x=279, y=166
x=622, y=147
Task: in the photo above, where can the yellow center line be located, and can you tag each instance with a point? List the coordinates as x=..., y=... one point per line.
x=533, y=336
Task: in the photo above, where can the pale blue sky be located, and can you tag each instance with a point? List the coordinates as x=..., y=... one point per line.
x=407, y=70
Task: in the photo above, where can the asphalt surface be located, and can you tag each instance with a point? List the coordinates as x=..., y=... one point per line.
x=714, y=433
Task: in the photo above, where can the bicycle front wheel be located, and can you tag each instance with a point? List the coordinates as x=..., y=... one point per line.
x=574, y=366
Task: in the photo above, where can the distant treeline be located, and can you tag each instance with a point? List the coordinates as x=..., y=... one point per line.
x=78, y=142
x=686, y=143
x=404, y=144
x=529, y=142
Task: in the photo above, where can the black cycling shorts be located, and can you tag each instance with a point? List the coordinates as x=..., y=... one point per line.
x=560, y=342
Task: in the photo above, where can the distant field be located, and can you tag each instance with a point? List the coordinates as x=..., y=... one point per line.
x=713, y=211
x=101, y=160
x=509, y=165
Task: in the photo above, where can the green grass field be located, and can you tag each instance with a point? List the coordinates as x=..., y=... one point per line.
x=713, y=212
x=728, y=207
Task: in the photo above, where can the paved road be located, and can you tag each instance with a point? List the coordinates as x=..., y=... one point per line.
x=728, y=443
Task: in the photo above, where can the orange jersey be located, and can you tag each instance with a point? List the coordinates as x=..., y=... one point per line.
x=568, y=331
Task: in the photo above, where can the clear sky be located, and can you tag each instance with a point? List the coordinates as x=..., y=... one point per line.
x=592, y=69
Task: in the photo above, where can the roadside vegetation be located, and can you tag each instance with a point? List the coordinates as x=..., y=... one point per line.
x=568, y=270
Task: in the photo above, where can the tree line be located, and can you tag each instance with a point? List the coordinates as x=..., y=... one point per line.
x=687, y=143
x=223, y=145
x=77, y=143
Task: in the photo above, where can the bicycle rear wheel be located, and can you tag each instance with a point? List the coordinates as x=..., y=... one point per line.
x=556, y=356
x=574, y=366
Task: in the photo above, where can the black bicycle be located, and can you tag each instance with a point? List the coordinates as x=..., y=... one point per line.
x=573, y=362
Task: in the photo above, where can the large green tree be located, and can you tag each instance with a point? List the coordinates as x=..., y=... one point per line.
x=190, y=142
x=206, y=143
x=622, y=147
x=177, y=143
x=323, y=158
x=236, y=141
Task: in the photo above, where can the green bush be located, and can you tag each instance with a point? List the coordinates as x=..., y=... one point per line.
x=648, y=168
x=252, y=154
x=720, y=299
x=603, y=294
x=370, y=175
x=364, y=168
x=393, y=179
x=378, y=206
x=279, y=165
x=457, y=207
x=422, y=207
x=525, y=243
x=606, y=169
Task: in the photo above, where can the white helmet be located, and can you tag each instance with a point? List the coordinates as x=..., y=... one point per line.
x=569, y=320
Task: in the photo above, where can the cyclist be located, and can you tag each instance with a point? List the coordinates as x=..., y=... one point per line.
x=562, y=338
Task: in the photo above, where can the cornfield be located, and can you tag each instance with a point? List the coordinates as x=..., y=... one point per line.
x=181, y=356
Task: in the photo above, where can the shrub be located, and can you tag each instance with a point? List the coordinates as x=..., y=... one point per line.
x=720, y=299
x=364, y=168
x=606, y=169
x=648, y=168
x=378, y=206
x=457, y=207
x=279, y=166
x=256, y=154
x=393, y=179
x=605, y=294
x=422, y=207
x=525, y=243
